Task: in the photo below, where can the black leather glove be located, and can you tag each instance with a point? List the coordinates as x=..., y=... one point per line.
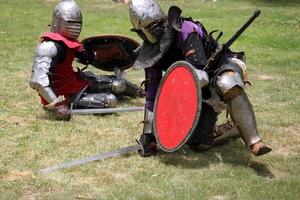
x=86, y=56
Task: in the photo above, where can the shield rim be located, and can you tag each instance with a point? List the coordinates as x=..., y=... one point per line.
x=112, y=36
x=199, y=95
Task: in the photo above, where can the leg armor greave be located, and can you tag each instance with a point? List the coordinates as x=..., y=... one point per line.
x=147, y=140
x=148, y=122
x=242, y=114
x=98, y=100
x=230, y=88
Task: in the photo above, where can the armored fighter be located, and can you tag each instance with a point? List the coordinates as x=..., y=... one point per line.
x=167, y=39
x=53, y=76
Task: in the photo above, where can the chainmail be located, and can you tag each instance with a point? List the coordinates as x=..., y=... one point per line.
x=149, y=54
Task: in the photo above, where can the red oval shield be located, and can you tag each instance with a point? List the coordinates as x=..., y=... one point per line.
x=177, y=106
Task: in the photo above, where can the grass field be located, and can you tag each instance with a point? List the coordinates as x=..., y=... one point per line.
x=30, y=140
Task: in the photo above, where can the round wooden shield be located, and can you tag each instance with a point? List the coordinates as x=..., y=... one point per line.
x=177, y=106
x=110, y=51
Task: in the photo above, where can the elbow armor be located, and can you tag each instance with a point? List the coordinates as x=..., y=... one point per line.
x=45, y=52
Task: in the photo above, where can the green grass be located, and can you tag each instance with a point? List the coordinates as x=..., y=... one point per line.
x=30, y=140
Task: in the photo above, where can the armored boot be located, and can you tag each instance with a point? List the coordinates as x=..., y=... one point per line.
x=147, y=139
x=126, y=88
x=242, y=114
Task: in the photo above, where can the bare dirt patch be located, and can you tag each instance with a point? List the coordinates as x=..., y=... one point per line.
x=16, y=175
x=17, y=120
x=219, y=197
x=30, y=195
x=265, y=77
x=50, y=1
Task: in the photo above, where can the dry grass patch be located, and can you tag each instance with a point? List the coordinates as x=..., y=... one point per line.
x=23, y=74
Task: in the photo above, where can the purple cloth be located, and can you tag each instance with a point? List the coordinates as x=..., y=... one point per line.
x=154, y=74
x=187, y=28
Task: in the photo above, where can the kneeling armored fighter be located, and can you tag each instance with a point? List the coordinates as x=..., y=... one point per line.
x=170, y=38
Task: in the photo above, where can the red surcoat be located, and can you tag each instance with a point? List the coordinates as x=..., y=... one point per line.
x=63, y=79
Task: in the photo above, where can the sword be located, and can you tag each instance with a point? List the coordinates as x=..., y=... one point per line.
x=104, y=110
x=233, y=133
x=102, y=156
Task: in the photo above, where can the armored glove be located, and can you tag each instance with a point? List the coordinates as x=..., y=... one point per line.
x=60, y=108
x=62, y=112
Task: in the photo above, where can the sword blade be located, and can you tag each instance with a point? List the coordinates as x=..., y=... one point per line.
x=104, y=110
x=102, y=156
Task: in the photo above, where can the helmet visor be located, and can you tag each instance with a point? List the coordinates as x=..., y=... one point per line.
x=152, y=32
x=73, y=29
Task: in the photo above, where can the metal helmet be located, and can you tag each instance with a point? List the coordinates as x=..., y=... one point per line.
x=67, y=19
x=147, y=18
